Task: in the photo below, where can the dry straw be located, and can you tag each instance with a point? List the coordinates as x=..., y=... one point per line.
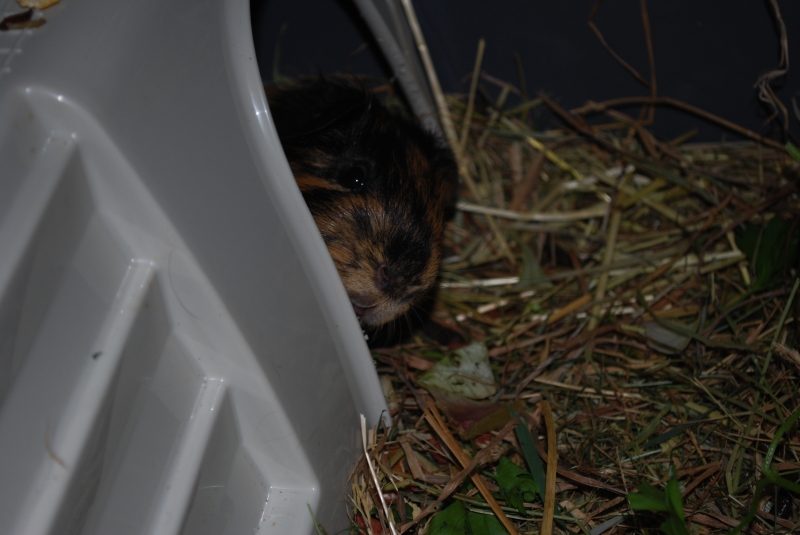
x=637, y=299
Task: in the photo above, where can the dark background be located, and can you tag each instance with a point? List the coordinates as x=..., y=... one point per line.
x=708, y=53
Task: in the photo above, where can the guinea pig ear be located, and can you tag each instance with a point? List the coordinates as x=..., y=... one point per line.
x=307, y=109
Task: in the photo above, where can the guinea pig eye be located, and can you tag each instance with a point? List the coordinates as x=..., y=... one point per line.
x=353, y=177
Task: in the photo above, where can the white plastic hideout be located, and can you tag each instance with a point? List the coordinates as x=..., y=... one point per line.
x=177, y=352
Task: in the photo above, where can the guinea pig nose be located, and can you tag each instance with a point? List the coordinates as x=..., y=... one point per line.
x=382, y=276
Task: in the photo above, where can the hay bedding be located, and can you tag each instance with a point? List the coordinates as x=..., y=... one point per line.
x=636, y=299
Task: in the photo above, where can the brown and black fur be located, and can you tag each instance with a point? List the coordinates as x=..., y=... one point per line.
x=377, y=185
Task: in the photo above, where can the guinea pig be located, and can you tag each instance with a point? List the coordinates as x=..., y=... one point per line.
x=378, y=186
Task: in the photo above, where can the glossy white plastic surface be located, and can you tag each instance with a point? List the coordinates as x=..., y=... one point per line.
x=177, y=352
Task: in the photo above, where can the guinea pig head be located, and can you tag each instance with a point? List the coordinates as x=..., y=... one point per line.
x=377, y=185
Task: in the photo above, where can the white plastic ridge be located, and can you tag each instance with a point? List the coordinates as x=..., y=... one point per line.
x=123, y=363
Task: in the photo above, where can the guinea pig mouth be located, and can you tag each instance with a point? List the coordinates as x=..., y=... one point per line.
x=360, y=309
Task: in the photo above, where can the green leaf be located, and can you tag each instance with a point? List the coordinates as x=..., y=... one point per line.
x=516, y=485
x=770, y=250
x=450, y=521
x=793, y=151
x=648, y=498
x=747, y=239
x=532, y=458
x=674, y=498
x=663, y=437
x=529, y=450
x=668, y=500
x=479, y=524
x=532, y=273
x=667, y=341
x=465, y=373
x=651, y=427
